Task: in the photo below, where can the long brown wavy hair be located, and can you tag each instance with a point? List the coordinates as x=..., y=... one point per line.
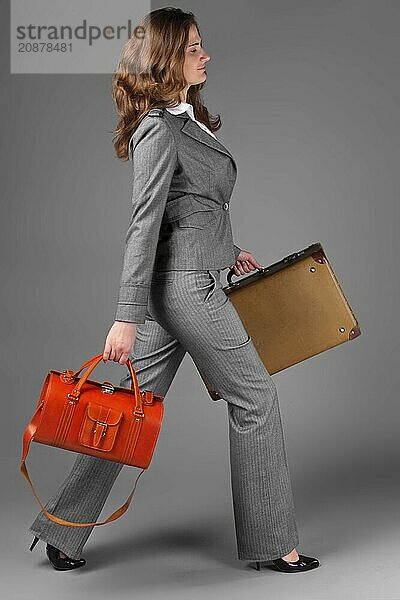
x=150, y=73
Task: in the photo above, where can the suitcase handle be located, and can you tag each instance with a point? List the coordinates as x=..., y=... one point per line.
x=231, y=273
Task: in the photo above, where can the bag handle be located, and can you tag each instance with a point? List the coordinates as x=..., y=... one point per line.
x=72, y=374
x=88, y=362
x=31, y=430
x=92, y=364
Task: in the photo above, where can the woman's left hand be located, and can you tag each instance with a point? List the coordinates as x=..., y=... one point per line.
x=245, y=262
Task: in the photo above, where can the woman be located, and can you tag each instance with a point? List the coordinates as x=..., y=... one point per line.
x=171, y=300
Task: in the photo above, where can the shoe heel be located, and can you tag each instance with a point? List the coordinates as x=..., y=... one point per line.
x=258, y=565
x=35, y=541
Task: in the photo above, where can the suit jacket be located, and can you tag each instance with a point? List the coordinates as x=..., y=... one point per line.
x=182, y=183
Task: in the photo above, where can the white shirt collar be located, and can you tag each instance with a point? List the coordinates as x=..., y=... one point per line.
x=185, y=106
x=182, y=107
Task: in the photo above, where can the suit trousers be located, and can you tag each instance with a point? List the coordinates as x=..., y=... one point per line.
x=188, y=311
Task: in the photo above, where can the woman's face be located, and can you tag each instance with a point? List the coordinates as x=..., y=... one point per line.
x=195, y=59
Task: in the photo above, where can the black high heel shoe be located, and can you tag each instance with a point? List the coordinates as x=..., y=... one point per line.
x=59, y=563
x=304, y=563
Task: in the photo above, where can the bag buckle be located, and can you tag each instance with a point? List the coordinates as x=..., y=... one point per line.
x=73, y=399
x=103, y=424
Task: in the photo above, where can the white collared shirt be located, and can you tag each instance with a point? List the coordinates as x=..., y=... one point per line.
x=185, y=106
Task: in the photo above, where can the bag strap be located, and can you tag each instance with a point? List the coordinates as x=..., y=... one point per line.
x=28, y=435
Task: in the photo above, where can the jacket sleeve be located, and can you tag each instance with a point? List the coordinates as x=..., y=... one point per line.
x=154, y=159
x=237, y=250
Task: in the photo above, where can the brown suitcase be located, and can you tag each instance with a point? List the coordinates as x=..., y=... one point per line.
x=293, y=310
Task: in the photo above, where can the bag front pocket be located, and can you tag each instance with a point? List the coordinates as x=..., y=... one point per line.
x=99, y=427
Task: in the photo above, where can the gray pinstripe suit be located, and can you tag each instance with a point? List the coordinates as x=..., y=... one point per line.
x=179, y=239
x=180, y=206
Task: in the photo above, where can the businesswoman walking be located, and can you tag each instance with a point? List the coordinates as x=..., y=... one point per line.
x=171, y=300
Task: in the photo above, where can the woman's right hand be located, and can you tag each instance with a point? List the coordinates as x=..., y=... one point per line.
x=119, y=342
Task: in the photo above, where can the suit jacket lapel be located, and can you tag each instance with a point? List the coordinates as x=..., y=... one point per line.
x=192, y=129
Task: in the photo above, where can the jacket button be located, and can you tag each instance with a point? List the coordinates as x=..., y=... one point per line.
x=225, y=205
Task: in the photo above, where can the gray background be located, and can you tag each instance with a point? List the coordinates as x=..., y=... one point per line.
x=309, y=94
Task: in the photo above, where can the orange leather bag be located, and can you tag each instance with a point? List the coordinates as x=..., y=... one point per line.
x=106, y=421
